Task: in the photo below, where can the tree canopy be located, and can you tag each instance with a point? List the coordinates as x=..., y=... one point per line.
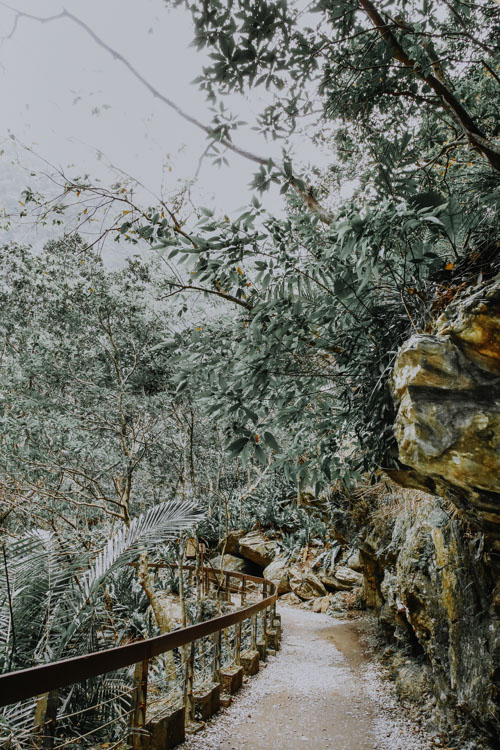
x=404, y=99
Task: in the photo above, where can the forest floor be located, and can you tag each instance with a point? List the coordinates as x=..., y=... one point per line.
x=321, y=692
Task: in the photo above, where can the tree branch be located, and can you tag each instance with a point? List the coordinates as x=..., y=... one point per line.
x=476, y=137
x=311, y=202
x=188, y=288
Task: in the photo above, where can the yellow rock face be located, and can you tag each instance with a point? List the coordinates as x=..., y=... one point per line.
x=447, y=387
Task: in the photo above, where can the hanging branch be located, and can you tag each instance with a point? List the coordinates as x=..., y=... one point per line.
x=305, y=194
x=13, y=650
x=453, y=106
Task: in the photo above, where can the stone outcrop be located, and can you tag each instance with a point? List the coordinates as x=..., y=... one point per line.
x=229, y=562
x=446, y=385
x=437, y=596
x=257, y=548
x=278, y=573
x=340, y=579
x=305, y=584
x=347, y=578
x=231, y=543
x=354, y=561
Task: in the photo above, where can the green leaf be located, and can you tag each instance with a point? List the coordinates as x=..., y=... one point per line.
x=237, y=446
x=271, y=441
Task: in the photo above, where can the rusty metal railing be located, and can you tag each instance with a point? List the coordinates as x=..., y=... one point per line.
x=253, y=619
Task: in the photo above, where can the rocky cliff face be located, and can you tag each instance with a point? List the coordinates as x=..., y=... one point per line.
x=431, y=562
x=446, y=385
x=438, y=605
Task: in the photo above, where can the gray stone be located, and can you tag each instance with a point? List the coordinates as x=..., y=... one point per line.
x=231, y=543
x=278, y=573
x=256, y=548
x=354, y=561
x=229, y=562
x=305, y=584
x=347, y=577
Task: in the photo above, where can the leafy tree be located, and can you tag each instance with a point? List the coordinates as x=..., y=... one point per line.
x=92, y=427
x=404, y=96
x=87, y=406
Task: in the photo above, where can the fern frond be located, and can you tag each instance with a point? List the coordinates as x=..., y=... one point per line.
x=162, y=522
x=16, y=724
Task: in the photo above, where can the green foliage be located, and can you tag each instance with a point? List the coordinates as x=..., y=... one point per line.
x=85, y=402
x=53, y=600
x=326, y=295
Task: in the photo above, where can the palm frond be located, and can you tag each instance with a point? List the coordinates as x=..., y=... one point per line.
x=53, y=601
x=16, y=725
x=158, y=524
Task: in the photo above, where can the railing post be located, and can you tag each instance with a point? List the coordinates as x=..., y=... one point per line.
x=243, y=591
x=254, y=633
x=188, y=683
x=264, y=613
x=46, y=720
x=237, y=645
x=216, y=667
x=138, y=717
x=228, y=587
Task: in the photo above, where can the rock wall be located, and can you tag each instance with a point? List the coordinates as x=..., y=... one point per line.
x=438, y=605
x=446, y=384
x=431, y=562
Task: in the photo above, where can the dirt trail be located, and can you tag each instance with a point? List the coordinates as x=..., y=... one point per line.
x=319, y=693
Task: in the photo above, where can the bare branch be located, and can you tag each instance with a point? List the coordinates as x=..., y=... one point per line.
x=306, y=196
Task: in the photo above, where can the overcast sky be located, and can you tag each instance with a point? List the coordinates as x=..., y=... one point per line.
x=65, y=97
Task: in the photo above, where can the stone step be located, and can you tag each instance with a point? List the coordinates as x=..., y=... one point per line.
x=250, y=662
x=262, y=648
x=232, y=679
x=166, y=727
x=225, y=700
x=206, y=700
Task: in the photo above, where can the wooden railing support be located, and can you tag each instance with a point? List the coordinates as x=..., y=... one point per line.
x=237, y=644
x=46, y=720
x=138, y=716
x=254, y=633
x=264, y=612
x=216, y=666
x=188, y=682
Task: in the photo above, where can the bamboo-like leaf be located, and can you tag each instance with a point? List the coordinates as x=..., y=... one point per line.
x=162, y=522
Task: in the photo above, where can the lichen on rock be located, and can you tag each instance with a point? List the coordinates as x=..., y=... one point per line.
x=446, y=385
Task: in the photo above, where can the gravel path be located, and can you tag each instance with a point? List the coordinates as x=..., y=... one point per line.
x=319, y=693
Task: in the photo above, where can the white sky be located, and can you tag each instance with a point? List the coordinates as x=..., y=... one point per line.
x=67, y=98
x=74, y=105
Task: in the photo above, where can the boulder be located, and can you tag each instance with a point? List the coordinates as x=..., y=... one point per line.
x=329, y=581
x=229, y=562
x=338, y=602
x=231, y=544
x=256, y=548
x=291, y=599
x=347, y=577
x=354, y=561
x=321, y=604
x=278, y=573
x=305, y=584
